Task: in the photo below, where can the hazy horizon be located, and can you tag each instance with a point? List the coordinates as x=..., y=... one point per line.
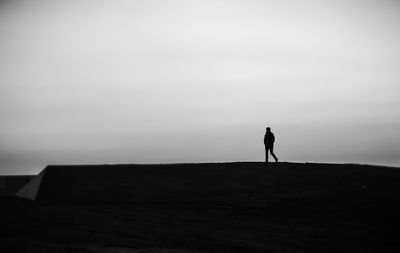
x=198, y=81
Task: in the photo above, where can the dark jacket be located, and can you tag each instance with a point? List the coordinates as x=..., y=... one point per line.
x=269, y=139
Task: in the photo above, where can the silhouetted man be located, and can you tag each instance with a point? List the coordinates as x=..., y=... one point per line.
x=269, y=140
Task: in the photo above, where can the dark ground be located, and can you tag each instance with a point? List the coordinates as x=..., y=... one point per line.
x=298, y=208
x=10, y=185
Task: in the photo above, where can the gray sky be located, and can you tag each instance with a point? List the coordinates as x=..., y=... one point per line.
x=198, y=81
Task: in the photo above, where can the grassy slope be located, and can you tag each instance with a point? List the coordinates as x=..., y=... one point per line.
x=233, y=207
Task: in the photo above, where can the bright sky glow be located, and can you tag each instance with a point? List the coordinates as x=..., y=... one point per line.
x=198, y=81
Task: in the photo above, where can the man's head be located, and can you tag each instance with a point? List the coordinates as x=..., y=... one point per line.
x=268, y=129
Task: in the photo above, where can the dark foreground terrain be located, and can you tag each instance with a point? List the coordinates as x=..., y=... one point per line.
x=241, y=207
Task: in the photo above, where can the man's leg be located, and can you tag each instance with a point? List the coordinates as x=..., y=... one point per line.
x=271, y=149
x=266, y=154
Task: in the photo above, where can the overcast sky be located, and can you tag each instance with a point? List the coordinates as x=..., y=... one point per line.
x=198, y=81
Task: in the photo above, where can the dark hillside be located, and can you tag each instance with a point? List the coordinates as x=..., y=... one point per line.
x=223, y=182
x=226, y=207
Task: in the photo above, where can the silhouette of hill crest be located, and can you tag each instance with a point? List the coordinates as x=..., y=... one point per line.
x=250, y=182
